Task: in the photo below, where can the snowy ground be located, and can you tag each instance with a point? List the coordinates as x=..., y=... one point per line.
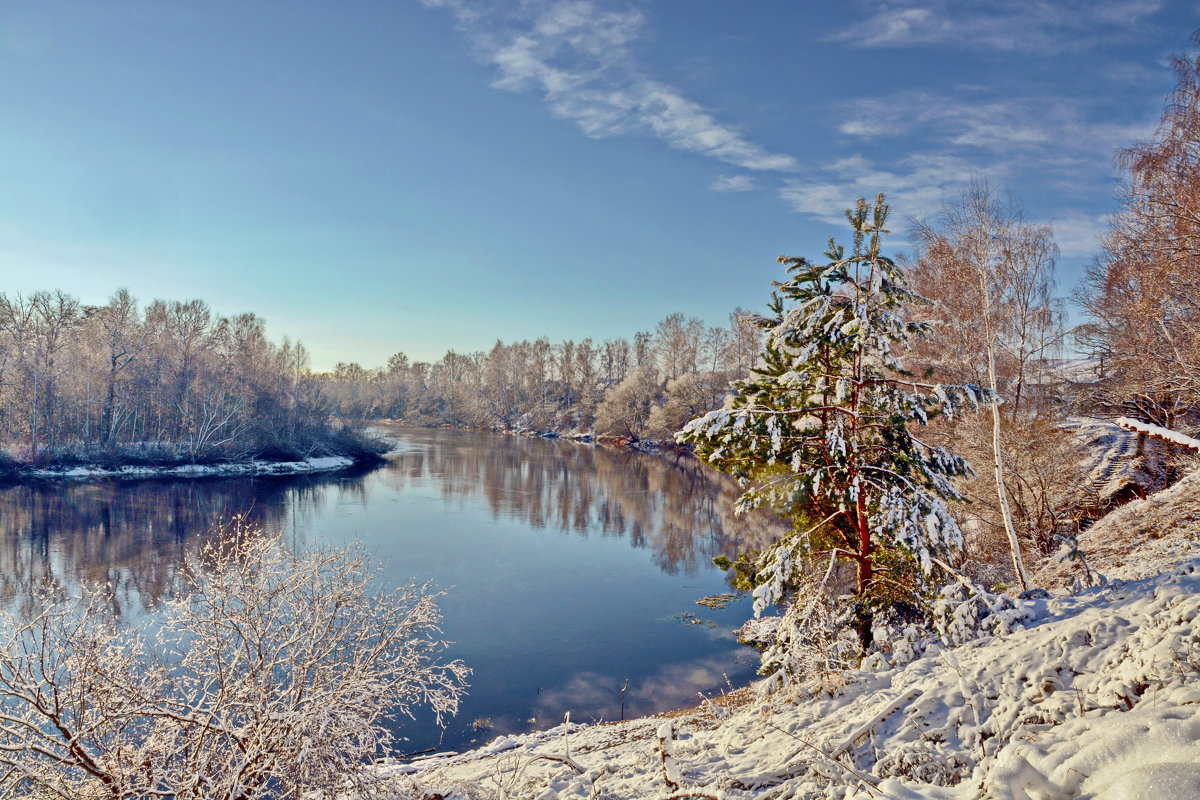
x=1141, y=538
x=1096, y=696
x=322, y=464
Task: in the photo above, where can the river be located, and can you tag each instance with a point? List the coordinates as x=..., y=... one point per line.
x=569, y=570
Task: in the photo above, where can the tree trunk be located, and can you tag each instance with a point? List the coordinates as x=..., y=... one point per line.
x=862, y=611
x=1014, y=544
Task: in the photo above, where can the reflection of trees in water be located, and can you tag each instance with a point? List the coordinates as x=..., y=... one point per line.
x=130, y=535
x=678, y=508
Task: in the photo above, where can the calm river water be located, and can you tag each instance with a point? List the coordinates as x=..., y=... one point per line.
x=568, y=569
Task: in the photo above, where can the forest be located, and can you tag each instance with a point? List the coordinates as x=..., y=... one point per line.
x=169, y=383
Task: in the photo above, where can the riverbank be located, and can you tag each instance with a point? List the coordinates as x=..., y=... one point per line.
x=1090, y=695
x=157, y=461
x=232, y=468
x=1095, y=698
x=628, y=442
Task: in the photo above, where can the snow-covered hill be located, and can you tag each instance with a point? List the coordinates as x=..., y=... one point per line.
x=1141, y=538
x=1096, y=696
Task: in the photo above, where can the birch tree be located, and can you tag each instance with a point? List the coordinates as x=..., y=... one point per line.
x=1143, y=291
x=991, y=274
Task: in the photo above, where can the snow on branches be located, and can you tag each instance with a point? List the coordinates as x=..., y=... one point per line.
x=820, y=431
x=271, y=675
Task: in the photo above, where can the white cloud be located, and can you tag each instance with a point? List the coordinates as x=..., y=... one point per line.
x=917, y=186
x=1051, y=134
x=732, y=183
x=1012, y=25
x=960, y=121
x=1078, y=234
x=576, y=54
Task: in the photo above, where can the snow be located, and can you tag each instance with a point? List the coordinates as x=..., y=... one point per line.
x=1096, y=697
x=317, y=464
x=1158, y=432
x=1139, y=539
x=1110, y=464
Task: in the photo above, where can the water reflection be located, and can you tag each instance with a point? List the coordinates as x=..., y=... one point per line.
x=595, y=696
x=133, y=534
x=671, y=504
x=569, y=567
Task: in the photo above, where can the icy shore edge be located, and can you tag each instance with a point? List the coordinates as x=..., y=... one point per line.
x=236, y=468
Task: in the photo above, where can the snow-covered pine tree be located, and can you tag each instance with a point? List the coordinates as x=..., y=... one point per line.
x=820, y=431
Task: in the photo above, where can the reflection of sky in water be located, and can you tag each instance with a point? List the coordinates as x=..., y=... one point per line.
x=594, y=696
x=566, y=566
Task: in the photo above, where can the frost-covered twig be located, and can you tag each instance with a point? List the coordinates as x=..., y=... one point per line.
x=870, y=781
x=666, y=753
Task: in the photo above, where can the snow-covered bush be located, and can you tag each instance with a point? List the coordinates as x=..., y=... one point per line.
x=965, y=611
x=271, y=675
x=1083, y=577
x=812, y=644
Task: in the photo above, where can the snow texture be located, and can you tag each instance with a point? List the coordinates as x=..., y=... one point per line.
x=322, y=464
x=1158, y=432
x=1096, y=697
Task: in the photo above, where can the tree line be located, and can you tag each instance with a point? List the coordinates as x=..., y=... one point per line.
x=172, y=381
x=644, y=387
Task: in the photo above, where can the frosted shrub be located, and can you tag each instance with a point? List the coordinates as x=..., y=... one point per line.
x=271, y=675
x=811, y=644
x=909, y=647
x=965, y=611
x=1083, y=577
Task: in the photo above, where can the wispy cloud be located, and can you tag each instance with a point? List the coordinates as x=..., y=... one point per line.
x=580, y=57
x=961, y=122
x=1013, y=25
x=1078, y=235
x=918, y=184
x=732, y=183
x=577, y=55
x=1051, y=128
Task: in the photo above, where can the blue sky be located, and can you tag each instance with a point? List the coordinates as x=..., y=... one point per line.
x=383, y=176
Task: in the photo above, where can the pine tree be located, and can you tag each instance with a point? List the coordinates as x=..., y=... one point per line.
x=821, y=430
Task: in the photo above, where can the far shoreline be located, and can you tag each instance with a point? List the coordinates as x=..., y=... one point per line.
x=249, y=468
x=131, y=464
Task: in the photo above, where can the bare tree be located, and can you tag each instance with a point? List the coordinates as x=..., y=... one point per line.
x=992, y=275
x=1143, y=291
x=124, y=338
x=677, y=343
x=271, y=676
x=745, y=342
x=626, y=408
